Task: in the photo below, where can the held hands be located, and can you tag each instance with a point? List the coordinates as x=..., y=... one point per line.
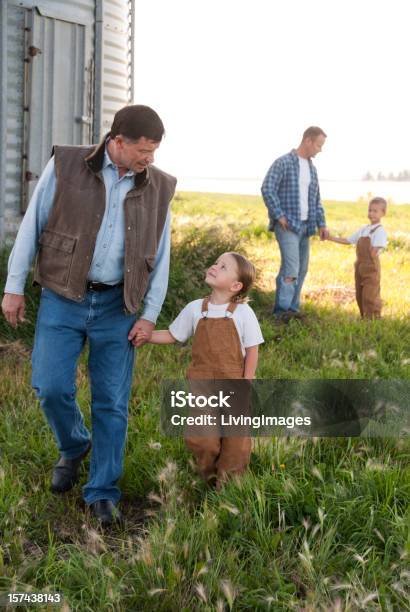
x=141, y=332
x=324, y=233
x=142, y=337
x=13, y=307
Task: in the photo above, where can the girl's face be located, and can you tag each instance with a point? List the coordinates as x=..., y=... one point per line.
x=223, y=274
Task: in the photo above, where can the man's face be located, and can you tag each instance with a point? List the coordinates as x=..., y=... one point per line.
x=135, y=156
x=314, y=146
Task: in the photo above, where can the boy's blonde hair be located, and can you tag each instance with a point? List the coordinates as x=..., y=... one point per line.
x=380, y=201
x=246, y=276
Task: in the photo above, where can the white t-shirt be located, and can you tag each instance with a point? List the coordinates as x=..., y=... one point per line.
x=304, y=182
x=184, y=326
x=377, y=239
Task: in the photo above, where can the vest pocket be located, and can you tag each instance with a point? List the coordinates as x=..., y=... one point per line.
x=149, y=262
x=55, y=256
x=144, y=267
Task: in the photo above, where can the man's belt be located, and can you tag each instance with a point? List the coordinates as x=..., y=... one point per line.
x=94, y=286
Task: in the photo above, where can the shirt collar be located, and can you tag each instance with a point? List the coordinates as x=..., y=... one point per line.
x=108, y=161
x=293, y=153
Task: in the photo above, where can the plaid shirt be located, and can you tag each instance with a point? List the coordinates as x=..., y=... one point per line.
x=280, y=191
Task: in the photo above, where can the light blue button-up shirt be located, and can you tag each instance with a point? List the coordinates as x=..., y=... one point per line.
x=108, y=261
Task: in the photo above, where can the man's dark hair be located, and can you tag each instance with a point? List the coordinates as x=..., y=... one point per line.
x=313, y=132
x=137, y=121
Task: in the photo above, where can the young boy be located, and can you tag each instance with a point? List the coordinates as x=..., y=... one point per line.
x=369, y=240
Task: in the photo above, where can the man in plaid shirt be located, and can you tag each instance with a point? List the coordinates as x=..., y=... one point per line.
x=291, y=193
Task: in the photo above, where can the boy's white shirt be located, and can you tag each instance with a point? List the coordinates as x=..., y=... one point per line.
x=377, y=239
x=247, y=325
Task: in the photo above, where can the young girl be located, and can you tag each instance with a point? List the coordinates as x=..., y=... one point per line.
x=226, y=336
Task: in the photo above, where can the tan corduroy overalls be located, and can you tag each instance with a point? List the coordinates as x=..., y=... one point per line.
x=217, y=355
x=367, y=279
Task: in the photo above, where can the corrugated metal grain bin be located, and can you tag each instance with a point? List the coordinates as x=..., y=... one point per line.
x=65, y=69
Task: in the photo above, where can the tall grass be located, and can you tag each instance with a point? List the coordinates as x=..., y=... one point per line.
x=320, y=524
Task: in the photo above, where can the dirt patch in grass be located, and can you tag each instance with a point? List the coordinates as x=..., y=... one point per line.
x=137, y=512
x=339, y=294
x=15, y=349
x=74, y=524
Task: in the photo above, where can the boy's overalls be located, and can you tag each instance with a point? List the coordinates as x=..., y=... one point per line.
x=367, y=278
x=217, y=355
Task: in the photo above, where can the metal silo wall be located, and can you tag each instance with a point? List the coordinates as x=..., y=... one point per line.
x=35, y=92
x=114, y=79
x=99, y=45
x=13, y=137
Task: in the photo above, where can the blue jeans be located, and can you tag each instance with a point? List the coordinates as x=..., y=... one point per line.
x=294, y=250
x=62, y=328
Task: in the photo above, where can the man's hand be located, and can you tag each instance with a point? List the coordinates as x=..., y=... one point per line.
x=136, y=337
x=323, y=233
x=283, y=222
x=13, y=307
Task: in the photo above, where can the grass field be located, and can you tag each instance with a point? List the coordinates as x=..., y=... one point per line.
x=320, y=524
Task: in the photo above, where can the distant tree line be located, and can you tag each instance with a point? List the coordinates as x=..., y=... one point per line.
x=404, y=175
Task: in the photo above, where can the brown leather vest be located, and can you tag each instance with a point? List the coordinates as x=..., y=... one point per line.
x=67, y=242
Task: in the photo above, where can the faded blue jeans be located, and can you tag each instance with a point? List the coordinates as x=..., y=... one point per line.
x=62, y=328
x=294, y=250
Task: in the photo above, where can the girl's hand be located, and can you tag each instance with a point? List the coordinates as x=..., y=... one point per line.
x=144, y=326
x=141, y=335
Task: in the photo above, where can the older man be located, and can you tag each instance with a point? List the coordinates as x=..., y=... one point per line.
x=99, y=222
x=291, y=193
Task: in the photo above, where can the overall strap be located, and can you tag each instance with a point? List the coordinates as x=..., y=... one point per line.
x=204, y=307
x=228, y=313
x=374, y=229
x=231, y=309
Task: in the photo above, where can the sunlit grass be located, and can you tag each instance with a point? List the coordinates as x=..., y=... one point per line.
x=320, y=524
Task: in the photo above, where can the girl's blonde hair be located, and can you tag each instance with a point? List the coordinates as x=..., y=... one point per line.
x=246, y=276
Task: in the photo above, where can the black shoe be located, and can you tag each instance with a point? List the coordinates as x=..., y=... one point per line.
x=65, y=472
x=107, y=514
x=283, y=317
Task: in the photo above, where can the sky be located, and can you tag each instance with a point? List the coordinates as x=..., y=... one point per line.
x=236, y=83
